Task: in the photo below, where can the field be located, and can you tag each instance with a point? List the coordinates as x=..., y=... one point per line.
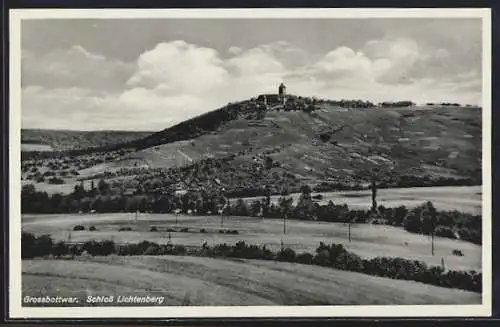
x=460, y=198
x=35, y=147
x=366, y=240
x=50, y=140
x=206, y=281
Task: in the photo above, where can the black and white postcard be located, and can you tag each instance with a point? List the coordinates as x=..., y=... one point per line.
x=250, y=163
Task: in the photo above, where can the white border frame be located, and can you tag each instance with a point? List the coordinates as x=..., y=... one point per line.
x=17, y=311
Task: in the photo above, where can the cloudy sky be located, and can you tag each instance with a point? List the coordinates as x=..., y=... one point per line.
x=144, y=74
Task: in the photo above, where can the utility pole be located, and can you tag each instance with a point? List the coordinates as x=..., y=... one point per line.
x=349, y=223
x=432, y=242
x=284, y=223
x=176, y=216
x=433, y=219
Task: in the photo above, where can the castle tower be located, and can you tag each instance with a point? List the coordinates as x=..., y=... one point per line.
x=282, y=92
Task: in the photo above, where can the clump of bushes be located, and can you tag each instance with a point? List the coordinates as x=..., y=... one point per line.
x=234, y=232
x=203, y=230
x=33, y=246
x=457, y=253
x=184, y=230
x=153, y=229
x=305, y=258
x=425, y=219
x=78, y=228
x=56, y=180
x=444, y=232
x=125, y=229
x=102, y=248
x=92, y=228
x=286, y=254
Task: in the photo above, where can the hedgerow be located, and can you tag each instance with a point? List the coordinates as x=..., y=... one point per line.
x=334, y=256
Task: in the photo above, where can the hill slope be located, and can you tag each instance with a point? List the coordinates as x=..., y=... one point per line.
x=331, y=143
x=245, y=147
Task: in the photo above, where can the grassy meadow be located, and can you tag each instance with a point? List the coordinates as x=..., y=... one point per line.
x=302, y=236
x=461, y=198
x=206, y=281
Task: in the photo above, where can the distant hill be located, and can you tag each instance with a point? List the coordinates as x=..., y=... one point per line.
x=60, y=140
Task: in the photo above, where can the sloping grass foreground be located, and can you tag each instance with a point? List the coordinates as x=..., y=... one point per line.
x=189, y=280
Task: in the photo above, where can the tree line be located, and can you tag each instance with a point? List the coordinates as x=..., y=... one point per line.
x=424, y=219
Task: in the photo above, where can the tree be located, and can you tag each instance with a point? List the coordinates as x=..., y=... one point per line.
x=240, y=208
x=285, y=204
x=266, y=202
x=398, y=215
x=79, y=191
x=428, y=218
x=412, y=221
x=304, y=206
x=255, y=208
x=374, y=195
x=103, y=187
x=428, y=215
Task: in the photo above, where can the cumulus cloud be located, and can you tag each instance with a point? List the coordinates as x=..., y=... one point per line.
x=176, y=80
x=180, y=67
x=74, y=67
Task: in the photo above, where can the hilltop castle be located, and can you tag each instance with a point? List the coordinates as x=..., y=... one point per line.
x=282, y=93
x=274, y=99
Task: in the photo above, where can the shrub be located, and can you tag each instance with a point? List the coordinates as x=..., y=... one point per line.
x=78, y=228
x=350, y=261
x=203, y=230
x=184, y=230
x=144, y=245
x=33, y=246
x=221, y=231
x=152, y=249
x=92, y=228
x=470, y=235
x=457, y=253
x=96, y=248
x=318, y=197
x=153, y=229
x=444, y=232
x=179, y=249
x=56, y=180
x=128, y=249
x=222, y=250
x=28, y=245
x=125, y=229
x=76, y=249
x=243, y=250
x=170, y=230
x=286, y=254
x=305, y=258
